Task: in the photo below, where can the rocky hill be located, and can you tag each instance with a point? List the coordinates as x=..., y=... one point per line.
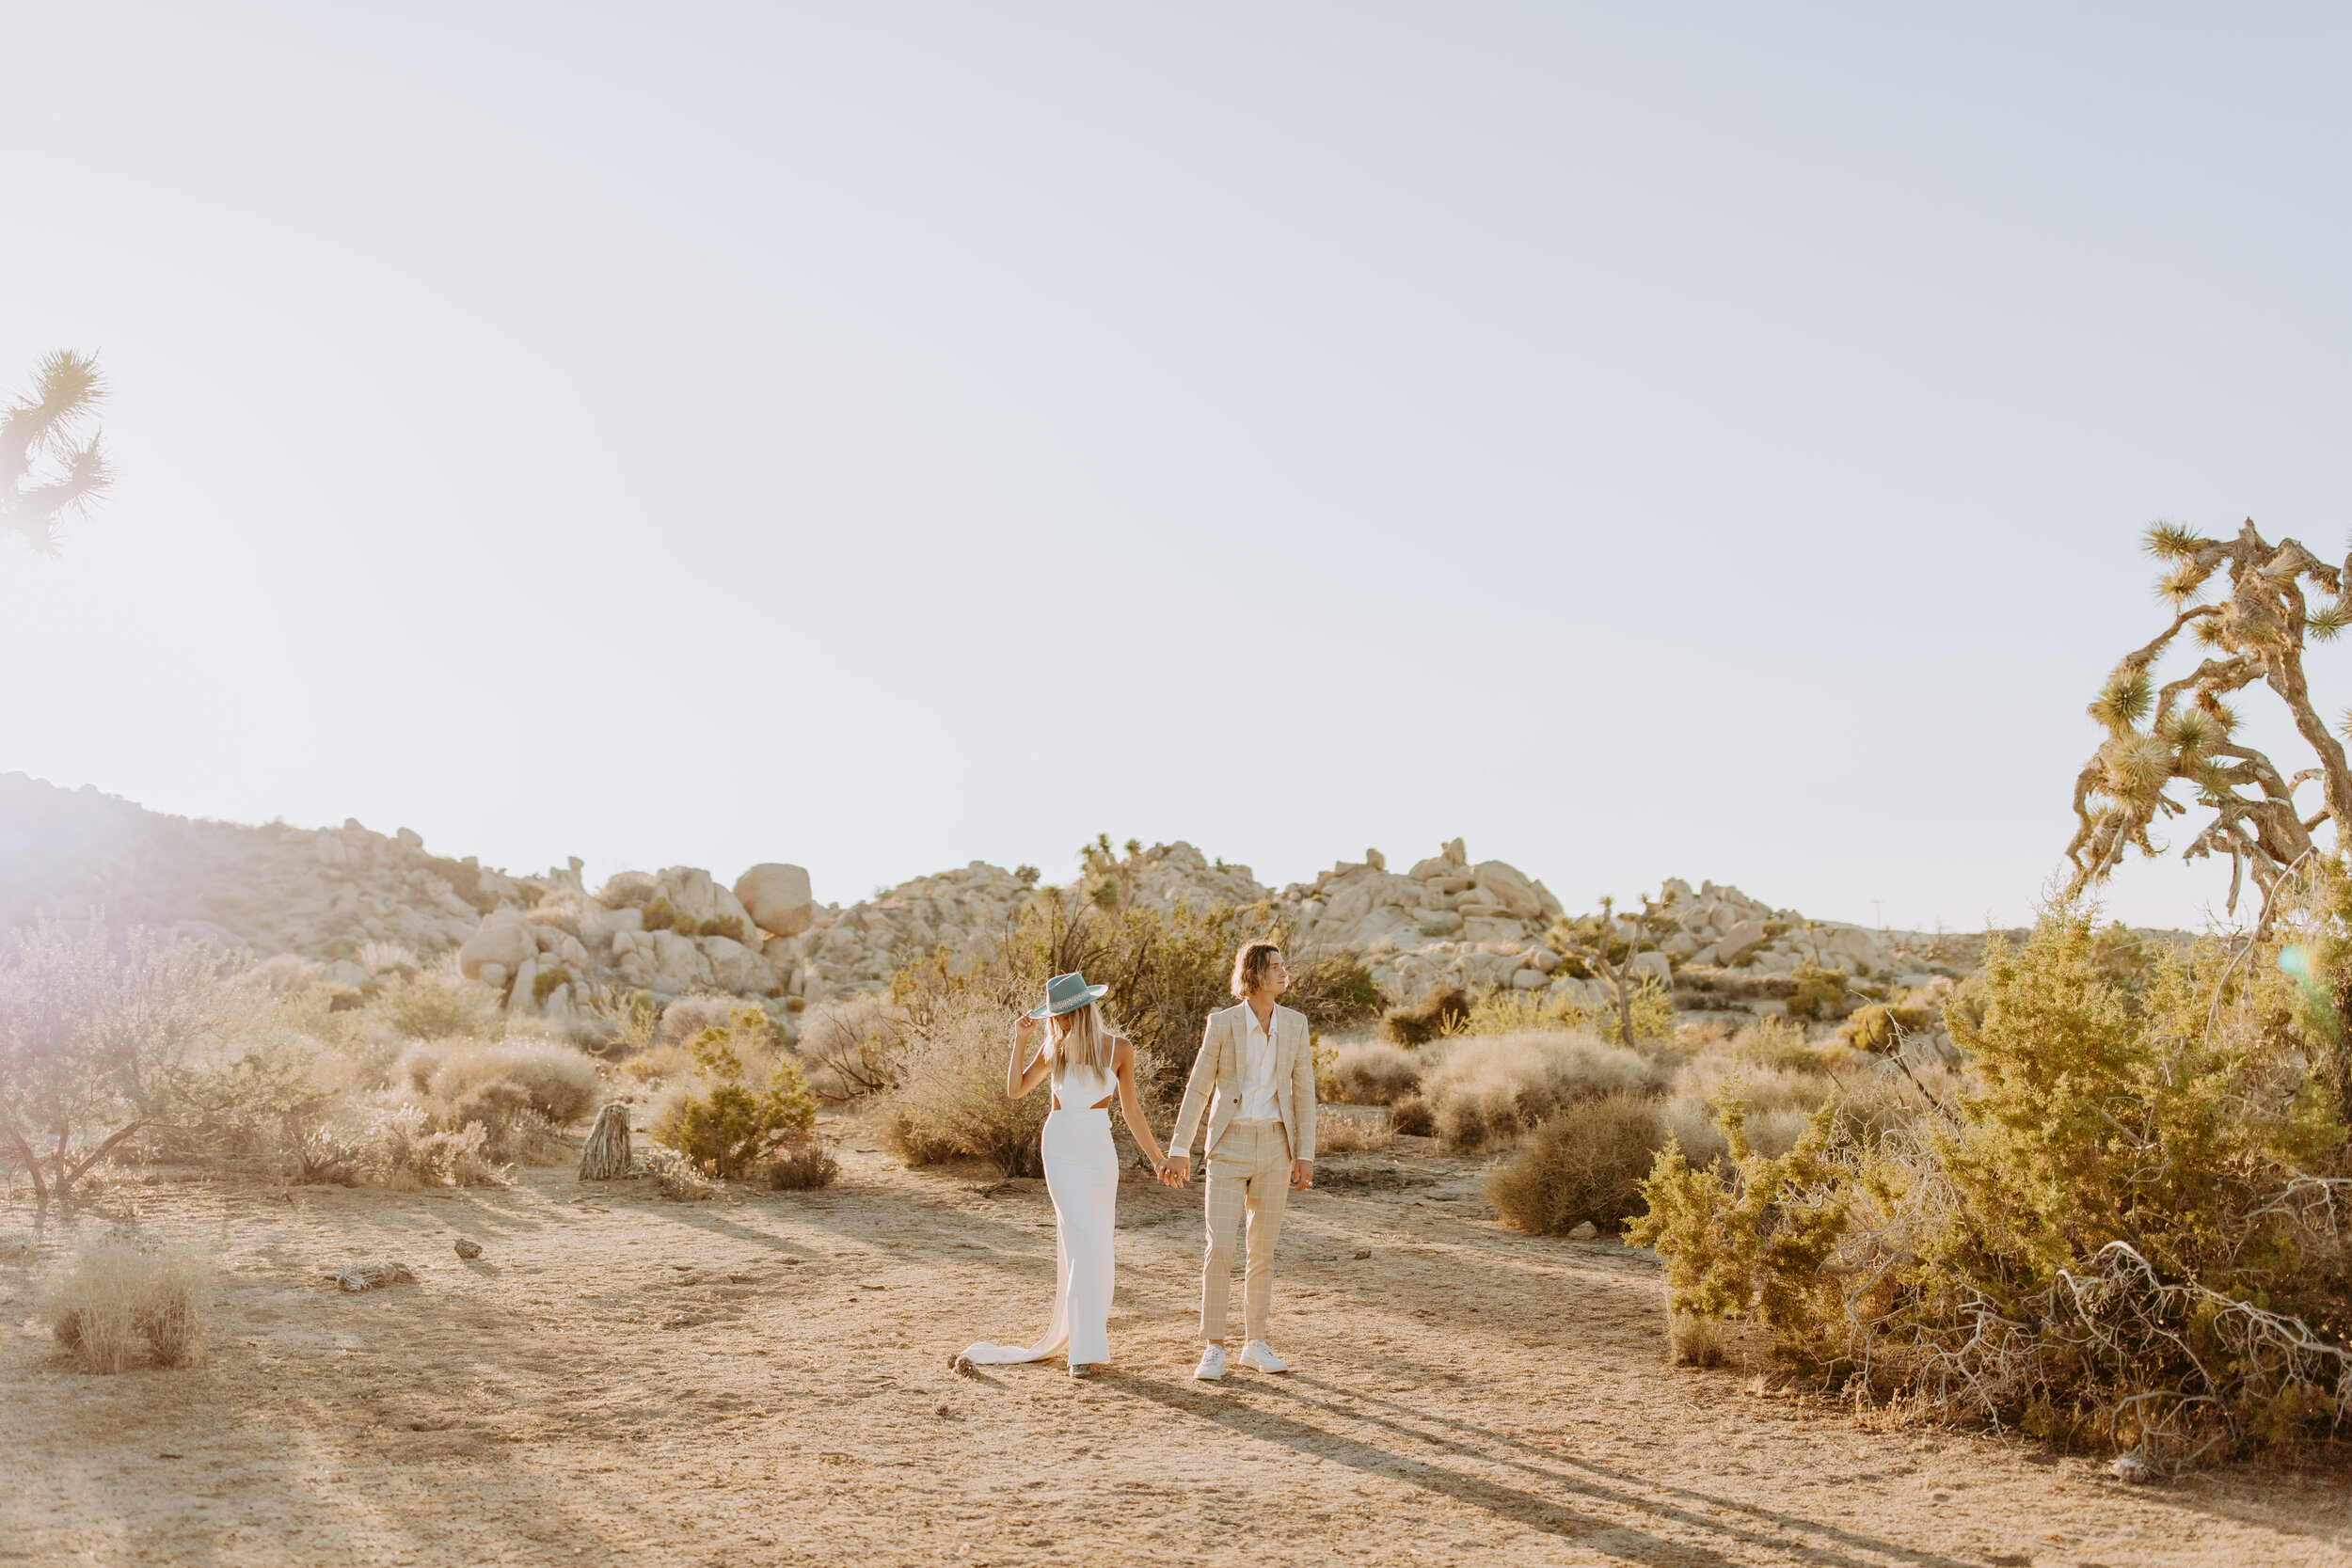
x=544, y=943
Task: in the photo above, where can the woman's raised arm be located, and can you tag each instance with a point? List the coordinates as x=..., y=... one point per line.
x=1025, y=1072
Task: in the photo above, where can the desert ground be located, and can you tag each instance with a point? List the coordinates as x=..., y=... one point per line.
x=766, y=1379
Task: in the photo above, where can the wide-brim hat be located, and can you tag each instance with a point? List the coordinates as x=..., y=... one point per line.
x=1067, y=994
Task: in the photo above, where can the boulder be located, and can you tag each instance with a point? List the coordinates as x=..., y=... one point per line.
x=777, y=898
x=735, y=968
x=1504, y=886
x=503, y=938
x=626, y=890
x=1744, y=938
x=1654, y=963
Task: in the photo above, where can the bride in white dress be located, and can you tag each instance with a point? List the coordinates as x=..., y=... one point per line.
x=1088, y=1064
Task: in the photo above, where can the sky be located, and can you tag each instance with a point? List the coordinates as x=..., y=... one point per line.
x=1700, y=440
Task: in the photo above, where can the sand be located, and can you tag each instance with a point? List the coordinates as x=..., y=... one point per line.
x=765, y=1380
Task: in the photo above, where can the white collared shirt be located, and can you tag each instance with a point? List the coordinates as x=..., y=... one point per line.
x=1257, y=1069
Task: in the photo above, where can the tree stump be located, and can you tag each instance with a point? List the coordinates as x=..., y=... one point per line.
x=607, y=1154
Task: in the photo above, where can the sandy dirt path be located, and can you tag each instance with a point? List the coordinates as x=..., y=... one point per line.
x=765, y=1380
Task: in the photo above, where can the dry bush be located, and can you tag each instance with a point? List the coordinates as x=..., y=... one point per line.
x=1338, y=1133
x=1486, y=1092
x=1775, y=1043
x=557, y=1082
x=399, y=1147
x=799, y=1164
x=852, y=1047
x=1373, y=1072
x=424, y=1007
x=689, y=1016
x=676, y=1178
x=120, y=1292
x=283, y=975
x=1410, y=1117
x=388, y=958
x=659, y=1064
x=1694, y=1339
x=1442, y=1012
x=950, y=1099
x=1586, y=1163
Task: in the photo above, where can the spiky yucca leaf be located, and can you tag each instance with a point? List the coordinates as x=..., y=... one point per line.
x=2221, y=712
x=2137, y=767
x=2193, y=731
x=2182, y=584
x=2124, y=701
x=2213, y=781
x=2171, y=541
x=2211, y=633
x=2325, y=622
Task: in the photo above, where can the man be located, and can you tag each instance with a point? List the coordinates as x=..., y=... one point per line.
x=1256, y=1061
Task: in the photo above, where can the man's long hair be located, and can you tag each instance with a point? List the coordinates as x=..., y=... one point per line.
x=1249, y=965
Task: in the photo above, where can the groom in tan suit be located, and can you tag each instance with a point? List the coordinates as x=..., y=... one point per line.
x=1257, y=1063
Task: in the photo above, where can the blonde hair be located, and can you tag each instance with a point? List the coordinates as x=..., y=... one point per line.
x=1089, y=1043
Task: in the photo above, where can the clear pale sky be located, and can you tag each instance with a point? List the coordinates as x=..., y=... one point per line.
x=1700, y=440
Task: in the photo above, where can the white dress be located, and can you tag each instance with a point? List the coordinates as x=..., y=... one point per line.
x=1082, y=1175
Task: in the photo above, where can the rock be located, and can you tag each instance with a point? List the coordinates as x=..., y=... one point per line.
x=2133, y=1468
x=777, y=898
x=1585, y=1230
x=492, y=975
x=520, y=999
x=372, y=1276
x=626, y=890
x=1504, y=885
x=1654, y=964
x=606, y=1157
x=1680, y=945
x=1374, y=859
x=735, y=968
x=1744, y=938
x=505, y=937
x=468, y=1247
x=1438, y=923
x=1528, y=979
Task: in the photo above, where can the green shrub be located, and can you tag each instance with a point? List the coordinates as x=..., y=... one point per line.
x=1817, y=992
x=1777, y=1045
x=2115, y=1233
x=1586, y=1163
x=544, y=983
x=1442, y=1012
x=1333, y=990
x=721, y=1122
x=656, y=914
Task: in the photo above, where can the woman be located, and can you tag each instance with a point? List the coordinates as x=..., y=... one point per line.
x=1088, y=1064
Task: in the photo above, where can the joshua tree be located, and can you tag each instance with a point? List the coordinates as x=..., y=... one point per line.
x=47, y=472
x=1607, y=952
x=2183, y=729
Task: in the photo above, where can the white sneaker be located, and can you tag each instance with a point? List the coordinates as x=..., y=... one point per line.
x=1255, y=1354
x=1212, y=1364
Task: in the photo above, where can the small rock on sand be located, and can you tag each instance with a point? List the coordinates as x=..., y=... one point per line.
x=368, y=1276
x=468, y=1248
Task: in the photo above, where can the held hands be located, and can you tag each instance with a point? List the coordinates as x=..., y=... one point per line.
x=1176, y=1170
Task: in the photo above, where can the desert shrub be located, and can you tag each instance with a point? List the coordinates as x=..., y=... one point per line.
x=1486, y=1092
x=853, y=1047
x=399, y=1147
x=1817, y=992
x=801, y=1163
x=1647, y=1012
x=1333, y=990
x=1507, y=1011
x=1372, y=1072
x=950, y=1099
x=284, y=973
x=2119, y=1231
x=660, y=1063
x=1586, y=1163
x=122, y=1292
x=1882, y=1026
x=545, y=982
x=657, y=914
x=1337, y=1133
x=1776, y=1044
x=676, y=1178
x=1167, y=972
x=388, y=958
x=1409, y=1117
x=514, y=1131
x=1442, y=1012
x=558, y=1083
x=727, y=925
x=423, y=1009
x=731, y=1113
x=93, y=1047
x=689, y=1016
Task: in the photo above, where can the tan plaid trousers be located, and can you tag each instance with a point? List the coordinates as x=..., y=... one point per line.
x=1249, y=1173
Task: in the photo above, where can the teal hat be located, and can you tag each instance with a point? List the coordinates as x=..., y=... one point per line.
x=1067, y=994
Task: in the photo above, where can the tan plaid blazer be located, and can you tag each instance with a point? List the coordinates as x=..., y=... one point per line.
x=1215, y=1082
